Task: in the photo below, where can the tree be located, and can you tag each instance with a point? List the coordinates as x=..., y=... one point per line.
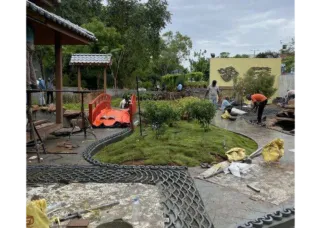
x=200, y=64
x=224, y=55
x=45, y=56
x=117, y=55
x=174, y=49
x=108, y=39
x=135, y=27
x=81, y=11
x=258, y=81
x=288, y=54
x=238, y=88
x=241, y=56
x=268, y=54
x=139, y=25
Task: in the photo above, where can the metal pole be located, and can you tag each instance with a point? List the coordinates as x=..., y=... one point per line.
x=254, y=52
x=139, y=105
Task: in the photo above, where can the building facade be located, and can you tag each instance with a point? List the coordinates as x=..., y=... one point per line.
x=223, y=69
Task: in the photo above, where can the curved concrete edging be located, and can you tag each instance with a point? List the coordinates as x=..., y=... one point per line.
x=96, y=146
x=238, y=133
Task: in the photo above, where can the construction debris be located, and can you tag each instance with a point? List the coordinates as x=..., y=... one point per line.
x=236, y=168
x=66, y=131
x=51, y=108
x=67, y=144
x=285, y=117
x=36, y=216
x=217, y=168
x=236, y=154
x=71, y=113
x=33, y=157
x=253, y=188
x=273, y=151
x=78, y=223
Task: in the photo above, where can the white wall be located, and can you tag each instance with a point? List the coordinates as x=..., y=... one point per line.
x=286, y=82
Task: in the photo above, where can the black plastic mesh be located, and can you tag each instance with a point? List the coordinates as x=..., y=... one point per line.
x=181, y=202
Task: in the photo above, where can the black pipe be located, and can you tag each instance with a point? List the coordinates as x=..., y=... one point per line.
x=139, y=105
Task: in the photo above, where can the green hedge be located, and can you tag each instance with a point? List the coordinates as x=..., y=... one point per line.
x=200, y=84
x=172, y=80
x=158, y=113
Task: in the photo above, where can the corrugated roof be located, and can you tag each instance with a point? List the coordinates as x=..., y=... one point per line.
x=61, y=21
x=90, y=59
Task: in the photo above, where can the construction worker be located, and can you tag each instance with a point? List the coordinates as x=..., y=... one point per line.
x=214, y=92
x=226, y=105
x=259, y=102
x=49, y=92
x=290, y=95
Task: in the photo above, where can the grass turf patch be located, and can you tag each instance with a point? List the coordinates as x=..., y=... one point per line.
x=74, y=106
x=184, y=144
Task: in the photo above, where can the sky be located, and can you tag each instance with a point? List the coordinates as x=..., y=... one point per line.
x=235, y=26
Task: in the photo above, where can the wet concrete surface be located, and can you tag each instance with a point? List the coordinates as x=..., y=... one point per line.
x=79, y=196
x=229, y=202
x=75, y=155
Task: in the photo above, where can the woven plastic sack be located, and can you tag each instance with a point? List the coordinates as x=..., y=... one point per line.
x=236, y=154
x=36, y=214
x=273, y=151
x=226, y=115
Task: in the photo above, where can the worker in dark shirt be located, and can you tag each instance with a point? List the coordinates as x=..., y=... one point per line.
x=259, y=102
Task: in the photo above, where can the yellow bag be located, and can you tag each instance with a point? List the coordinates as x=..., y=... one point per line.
x=226, y=115
x=236, y=154
x=273, y=151
x=36, y=214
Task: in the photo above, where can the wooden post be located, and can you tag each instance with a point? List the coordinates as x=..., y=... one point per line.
x=105, y=79
x=79, y=79
x=58, y=74
x=131, y=116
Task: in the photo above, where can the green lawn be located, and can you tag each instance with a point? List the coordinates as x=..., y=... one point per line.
x=115, y=102
x=185, y=144
x=74, y=106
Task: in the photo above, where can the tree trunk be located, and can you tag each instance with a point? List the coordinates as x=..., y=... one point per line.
x=41, y=68
x=40, y=59
x=115, y=82
x=98, y=81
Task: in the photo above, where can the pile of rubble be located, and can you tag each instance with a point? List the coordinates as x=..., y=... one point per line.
x=284, y=119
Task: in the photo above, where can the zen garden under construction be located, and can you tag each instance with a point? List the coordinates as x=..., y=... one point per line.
x=182, y=149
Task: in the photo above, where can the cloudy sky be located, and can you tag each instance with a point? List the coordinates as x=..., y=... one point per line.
x=235, y=26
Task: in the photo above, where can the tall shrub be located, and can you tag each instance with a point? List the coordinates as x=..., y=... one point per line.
x=203, y=111
x=157, y=114
x=259, y=81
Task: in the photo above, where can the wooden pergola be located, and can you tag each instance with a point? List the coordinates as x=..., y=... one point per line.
x=103, y=60
x=50, y=29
